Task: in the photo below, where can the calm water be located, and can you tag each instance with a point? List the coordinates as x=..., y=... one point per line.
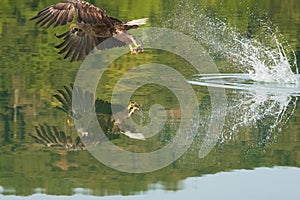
x=254, y=155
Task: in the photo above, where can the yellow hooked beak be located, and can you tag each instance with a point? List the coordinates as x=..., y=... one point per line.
x=73, y=26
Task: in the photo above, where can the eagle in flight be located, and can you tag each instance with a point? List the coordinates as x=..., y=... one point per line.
x=90, y=28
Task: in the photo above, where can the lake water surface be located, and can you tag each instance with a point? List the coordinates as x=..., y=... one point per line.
x=245, y=140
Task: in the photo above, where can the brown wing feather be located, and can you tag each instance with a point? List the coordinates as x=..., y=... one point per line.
x=77, y=44
x=63, y=13
x=58, y=14
x=90, y=14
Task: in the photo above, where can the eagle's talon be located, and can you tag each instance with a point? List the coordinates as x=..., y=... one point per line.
x=136, y=50
x=133, y=51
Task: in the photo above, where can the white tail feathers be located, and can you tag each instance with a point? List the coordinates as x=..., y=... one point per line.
x=137, y=22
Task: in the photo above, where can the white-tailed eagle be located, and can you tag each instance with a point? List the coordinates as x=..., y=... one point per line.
x=90, y=28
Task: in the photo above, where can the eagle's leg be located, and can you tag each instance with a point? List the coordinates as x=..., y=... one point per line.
x=137, y=47
x=141, y=47
x=131, y=49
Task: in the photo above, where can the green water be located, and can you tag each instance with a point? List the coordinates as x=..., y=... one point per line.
x=32, y=71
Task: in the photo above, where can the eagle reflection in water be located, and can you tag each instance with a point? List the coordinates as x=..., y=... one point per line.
x=111, y=124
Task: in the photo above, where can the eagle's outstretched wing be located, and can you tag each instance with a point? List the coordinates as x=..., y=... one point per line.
x=63, y=13
x=93, y=26
x=77, y=44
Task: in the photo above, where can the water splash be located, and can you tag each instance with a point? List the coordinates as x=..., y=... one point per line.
x=256, y=108
x=262, y=55
x=265, y=63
